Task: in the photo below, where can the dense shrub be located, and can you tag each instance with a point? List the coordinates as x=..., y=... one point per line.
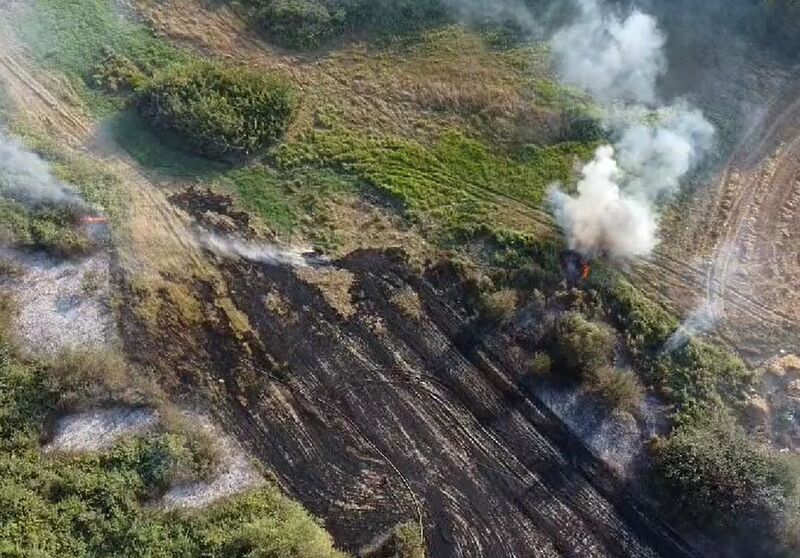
x=53, y=229
x=296, y=23
x=541, y=364
x=583, y=346
x=221, y=112
x=715, y=477
x=117, y=74
x=306, y=24
x=620, y=389
x=391, y=15
x=499, y=307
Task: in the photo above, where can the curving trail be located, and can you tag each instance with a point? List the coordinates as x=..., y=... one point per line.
x=748, y=261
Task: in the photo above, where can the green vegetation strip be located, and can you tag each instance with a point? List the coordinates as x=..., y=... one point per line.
x=94, y=505
x=459, y=184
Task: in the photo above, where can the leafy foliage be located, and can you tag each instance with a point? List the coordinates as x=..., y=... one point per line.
x=583, y=346
x=53, y=229
x=221, y=112
x=714, y=476
x=94, y=505
x=499, y=307
x=541, y=364
x=458, y=187
x=296, y=23
x=619, y=389
x=306, y=24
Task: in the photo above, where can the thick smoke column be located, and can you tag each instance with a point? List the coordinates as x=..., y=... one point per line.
x=621, y=59
x=27, y=177
x=655, y=157
x=601, y=216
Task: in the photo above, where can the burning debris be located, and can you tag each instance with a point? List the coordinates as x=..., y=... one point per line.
x=576, y=267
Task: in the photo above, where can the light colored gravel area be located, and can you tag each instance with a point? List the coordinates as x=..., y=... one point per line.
x=60, y=303
x=92, y=431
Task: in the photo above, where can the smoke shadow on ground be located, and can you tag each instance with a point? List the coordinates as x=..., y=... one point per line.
x=156, y=151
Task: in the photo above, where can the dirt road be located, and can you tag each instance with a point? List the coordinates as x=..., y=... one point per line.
x=748, y=261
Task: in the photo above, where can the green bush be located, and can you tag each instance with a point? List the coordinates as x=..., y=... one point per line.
x=584, y=346
x=296, y=23
x=620, y=389
x=306, y=24
x=391, y=15
x=541, y=364
x=51, y=229
x=94, y=505
x=117, y=74
x=221, y=112
x=715, y=477
x=499, y=307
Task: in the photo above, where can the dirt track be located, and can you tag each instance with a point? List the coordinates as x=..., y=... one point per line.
x=749, y=258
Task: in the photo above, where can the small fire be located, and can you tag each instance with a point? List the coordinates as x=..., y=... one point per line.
x=93, y=220
x=586, y=271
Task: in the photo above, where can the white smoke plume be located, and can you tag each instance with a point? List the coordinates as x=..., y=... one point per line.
x=27, y=177
x=602, y=217
x=655, y=157
x=700, y=320
x=620, y=59
x=612, y=57
x=257, y=252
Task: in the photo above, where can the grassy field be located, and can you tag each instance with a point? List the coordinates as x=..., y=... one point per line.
x=452, y=132
x=74, y=36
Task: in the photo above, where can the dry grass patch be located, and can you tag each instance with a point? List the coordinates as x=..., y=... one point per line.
x=277, y=304
x=499, y=307
x=335, y=285
x=238, y=320
x=407, y=300
x=620, y=389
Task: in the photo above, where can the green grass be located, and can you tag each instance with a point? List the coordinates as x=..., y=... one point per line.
x=458, y=186
x=72, y=36
x=286, y=199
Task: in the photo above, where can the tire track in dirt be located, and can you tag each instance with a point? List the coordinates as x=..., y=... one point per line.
x=760, y=170
x=34, y=98
x=490, y=467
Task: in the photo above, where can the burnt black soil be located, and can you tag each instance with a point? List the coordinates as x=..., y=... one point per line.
x=379, y=418
x=206, y=206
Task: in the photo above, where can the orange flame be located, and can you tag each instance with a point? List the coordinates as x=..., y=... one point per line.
x=586, y=271
x=90, y=220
